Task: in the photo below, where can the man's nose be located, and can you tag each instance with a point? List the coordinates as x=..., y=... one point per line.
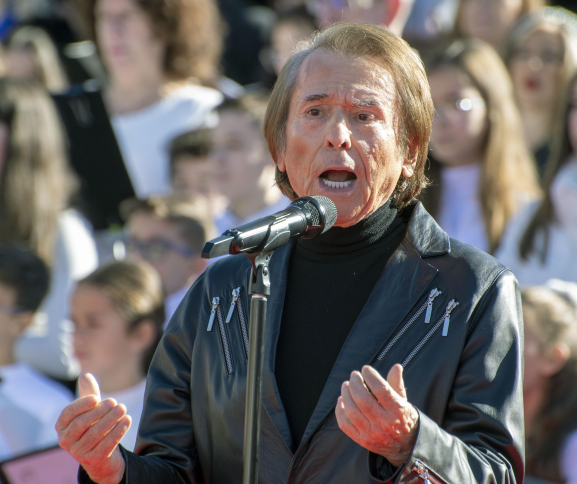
x=338, y=135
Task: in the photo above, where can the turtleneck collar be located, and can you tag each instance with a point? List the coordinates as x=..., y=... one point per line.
x=340, y=240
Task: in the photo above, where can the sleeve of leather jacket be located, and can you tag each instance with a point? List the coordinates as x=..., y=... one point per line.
x=481, y=439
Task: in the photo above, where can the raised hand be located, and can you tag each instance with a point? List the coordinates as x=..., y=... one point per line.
x=91, y=429
x=376, y=414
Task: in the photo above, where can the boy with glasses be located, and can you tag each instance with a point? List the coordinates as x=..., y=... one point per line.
x=169, y=233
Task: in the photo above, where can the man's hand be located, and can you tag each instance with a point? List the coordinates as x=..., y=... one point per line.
x=90, y=430
x=380, y=419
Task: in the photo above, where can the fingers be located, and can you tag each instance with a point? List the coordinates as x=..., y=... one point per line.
x=395, y=379
x=85, y=422
x=344, y=421
x=75, y=409
x=87, y=385
x=110, y=442
x=356, y=401
x=380, y=388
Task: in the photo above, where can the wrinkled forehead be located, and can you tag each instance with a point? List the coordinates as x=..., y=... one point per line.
x=354, y=79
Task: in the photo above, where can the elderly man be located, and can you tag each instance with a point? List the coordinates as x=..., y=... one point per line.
x=393, y=354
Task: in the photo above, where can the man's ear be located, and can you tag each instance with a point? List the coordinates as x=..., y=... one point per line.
x=21, y=321
x=410, y=160
x=280, y=162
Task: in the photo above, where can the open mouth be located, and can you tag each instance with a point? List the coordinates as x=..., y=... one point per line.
x=338, y=178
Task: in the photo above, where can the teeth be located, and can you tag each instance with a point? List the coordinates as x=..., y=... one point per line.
x=333, y=184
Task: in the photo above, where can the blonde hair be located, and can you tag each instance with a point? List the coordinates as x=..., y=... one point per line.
x=35, y=182
x=373, y=42
x=47, y=66
x=508, y=175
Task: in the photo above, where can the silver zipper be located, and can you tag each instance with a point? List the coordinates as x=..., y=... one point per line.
x=215, y=303
x=428, y=303
x=225, y=343
x=242, y=322
x=452, y=305
x=235, y=293
x=420, y=469
x=434, y=293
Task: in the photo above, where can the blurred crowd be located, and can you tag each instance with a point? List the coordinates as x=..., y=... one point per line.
x=131, y=133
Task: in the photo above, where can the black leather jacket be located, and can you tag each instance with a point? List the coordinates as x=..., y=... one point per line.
x=463, y=372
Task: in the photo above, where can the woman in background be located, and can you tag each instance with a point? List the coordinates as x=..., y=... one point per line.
x=31, y=54
x=549, y=389
x=482, y=172
x=541, y=241
x=118, y=313
x=542, y=58
x=35, y=186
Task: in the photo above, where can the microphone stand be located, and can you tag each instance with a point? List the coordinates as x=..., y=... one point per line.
x=259, y=287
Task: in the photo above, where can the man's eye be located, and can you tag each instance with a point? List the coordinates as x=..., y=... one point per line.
x=365, y=117
x=314, y=112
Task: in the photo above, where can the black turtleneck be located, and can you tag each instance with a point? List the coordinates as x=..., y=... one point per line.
x=330, y=279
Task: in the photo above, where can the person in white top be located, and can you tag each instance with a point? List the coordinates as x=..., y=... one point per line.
x=244, y=170
x=118, y=313
x=541, y=242
x=482, y=172
x=549, y=389
x=169, y=233
x=158, y=56
x=30, y=403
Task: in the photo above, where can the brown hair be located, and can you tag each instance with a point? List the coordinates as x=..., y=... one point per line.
x=135, y=290
x=555, y=321
x=412, y=91
x=198, y=143
x=34, y=182
x=191, y=215
x=560, y=154
x=192, y=30
x=47, y=66
x=508, y=175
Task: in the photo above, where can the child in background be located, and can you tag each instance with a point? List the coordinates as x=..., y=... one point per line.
x=118, y=313
x=549, y=385
x=30, y=403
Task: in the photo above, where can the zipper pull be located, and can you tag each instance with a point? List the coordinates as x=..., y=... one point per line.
x=235, y=294
x=452, y=305
x=421, y=471
x=215, y=302
x=434, y=293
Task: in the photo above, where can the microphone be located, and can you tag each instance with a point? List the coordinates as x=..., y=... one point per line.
x=306, y=217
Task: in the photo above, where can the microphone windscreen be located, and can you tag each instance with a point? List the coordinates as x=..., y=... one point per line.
x=330, y=211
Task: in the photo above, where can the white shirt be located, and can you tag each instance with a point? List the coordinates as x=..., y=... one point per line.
x=172, y=301
x=47, y=343
x=460, y=211
x=133, y=399
x=144, y=136
x=30, y=405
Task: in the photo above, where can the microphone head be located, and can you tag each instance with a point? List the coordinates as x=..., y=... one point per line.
x=321, y=214
x=329, y=210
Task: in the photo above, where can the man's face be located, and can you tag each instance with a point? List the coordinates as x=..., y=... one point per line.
x=192, y=175
x=160, y=243
x=341, y=135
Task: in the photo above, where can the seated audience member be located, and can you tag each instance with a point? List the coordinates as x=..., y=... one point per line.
x=35, y=187
x=542, y=58
x=244, y=170
x=191, y=169
x=541, y=242
x=118, y=313
x=31, y=54
x=491, y=21
x=549, y=385
x=482, y=172
x=169, y=233
x=30, y=403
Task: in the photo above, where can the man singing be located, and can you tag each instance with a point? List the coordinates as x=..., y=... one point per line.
x=393, y=354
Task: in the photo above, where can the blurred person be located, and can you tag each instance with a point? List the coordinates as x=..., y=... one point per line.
x=541, y=242
x=292, y=27
x=389, y=13
x=118, y=313
x=35, y=186
x=429, y=22
x=157, y=53
x=549, y=389
x=30, y=403
x=191, y=168
x=31, y=54
x=491, y=20
x=482, y=172
x=244, y=170
x=542, y=58
x=169, y=233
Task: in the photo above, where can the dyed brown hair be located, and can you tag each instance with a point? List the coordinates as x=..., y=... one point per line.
x=415, y=107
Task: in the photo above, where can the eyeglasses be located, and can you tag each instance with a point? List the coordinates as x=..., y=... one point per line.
x=458, y=106
x=157, y=249
x=537, y=60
